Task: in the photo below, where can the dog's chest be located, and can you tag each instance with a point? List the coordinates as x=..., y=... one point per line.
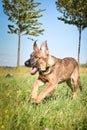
x=43, y=77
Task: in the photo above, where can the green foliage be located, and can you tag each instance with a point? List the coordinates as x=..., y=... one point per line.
x=56, y=112
x=24, y=15
x=73, y=12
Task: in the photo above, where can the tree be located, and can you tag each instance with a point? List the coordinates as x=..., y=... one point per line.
x=74, y=12
x=24, y=15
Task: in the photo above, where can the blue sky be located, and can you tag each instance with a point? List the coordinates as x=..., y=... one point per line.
x=62, y=38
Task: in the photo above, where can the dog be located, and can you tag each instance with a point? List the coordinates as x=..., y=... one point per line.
x=52, y=70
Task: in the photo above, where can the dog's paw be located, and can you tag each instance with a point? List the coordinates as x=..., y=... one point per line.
x=35, y=100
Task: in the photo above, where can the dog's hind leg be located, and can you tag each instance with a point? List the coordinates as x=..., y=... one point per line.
x=80, y=85
x=76, y=81
x=75, y=89
x=70, y=84
x=77, y=84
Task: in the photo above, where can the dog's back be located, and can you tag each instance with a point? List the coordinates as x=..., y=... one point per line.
x=66, y=67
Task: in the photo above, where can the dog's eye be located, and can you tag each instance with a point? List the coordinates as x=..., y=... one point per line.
x=37, y=57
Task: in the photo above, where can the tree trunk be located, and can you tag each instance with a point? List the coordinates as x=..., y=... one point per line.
x=18, y=56
x=79, y=45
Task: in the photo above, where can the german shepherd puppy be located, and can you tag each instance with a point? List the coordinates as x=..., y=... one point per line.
x=52, y=70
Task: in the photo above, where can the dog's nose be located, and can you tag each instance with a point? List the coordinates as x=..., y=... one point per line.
x=27, y=63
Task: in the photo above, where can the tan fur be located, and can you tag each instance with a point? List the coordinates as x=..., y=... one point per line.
x=54, y=71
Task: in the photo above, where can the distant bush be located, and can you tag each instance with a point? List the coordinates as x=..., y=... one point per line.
x=84, y=65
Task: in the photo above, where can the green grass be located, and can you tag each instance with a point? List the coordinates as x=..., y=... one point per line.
x=56, y=112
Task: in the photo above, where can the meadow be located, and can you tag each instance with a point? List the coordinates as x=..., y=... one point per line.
x=57, y=112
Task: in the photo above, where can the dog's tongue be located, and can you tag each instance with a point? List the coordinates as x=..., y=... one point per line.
x=34, y=70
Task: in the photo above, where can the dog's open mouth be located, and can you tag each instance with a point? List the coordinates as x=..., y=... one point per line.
x=34, y=70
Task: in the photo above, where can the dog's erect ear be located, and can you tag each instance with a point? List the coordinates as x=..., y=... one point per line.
x=35, y=47
x=44, y=48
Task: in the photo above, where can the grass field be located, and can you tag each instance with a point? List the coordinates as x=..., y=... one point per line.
x=56, y=112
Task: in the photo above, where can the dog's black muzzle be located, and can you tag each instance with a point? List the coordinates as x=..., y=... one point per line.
x=27, y=63
x=31, y=63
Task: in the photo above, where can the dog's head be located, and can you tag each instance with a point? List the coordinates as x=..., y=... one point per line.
x=39, y=58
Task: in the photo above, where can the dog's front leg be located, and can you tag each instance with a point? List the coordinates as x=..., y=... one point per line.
x=35, y=88
x=50, y=88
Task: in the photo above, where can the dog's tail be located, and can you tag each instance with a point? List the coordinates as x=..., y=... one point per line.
x=80, y=85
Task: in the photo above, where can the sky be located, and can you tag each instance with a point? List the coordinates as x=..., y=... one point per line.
x=62, y=39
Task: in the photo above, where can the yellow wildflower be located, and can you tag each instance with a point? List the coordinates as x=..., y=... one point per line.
x=7, y=116
x=2, y=127
x=6, y=111
x=8, y=94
